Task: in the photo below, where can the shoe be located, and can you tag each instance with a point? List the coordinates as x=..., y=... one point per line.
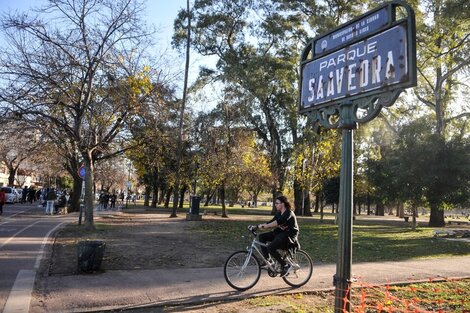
x=286, y=270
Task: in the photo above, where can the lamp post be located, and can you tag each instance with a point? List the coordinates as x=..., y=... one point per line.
x=128, y=182
x=304, y=165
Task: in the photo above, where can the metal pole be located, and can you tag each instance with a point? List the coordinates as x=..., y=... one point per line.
x=128, y=183
x=342, y=279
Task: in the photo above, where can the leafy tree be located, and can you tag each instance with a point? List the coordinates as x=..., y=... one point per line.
x=443, y=37
x=221, y=149
x=255, y=173
x=423, y=169
x=262, y=72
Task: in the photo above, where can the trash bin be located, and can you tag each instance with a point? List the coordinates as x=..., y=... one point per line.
x=90, y=254
x=194, y=208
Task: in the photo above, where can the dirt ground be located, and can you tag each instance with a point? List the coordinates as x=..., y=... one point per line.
x=151, y=241
x=137, y=241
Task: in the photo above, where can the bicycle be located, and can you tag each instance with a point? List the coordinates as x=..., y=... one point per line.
x=242, y=270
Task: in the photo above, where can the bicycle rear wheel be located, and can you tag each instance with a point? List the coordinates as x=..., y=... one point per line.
x=242, y=272
x=302, y=269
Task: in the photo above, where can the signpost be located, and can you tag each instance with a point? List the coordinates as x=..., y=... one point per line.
x=81, y=172
x=347, y=76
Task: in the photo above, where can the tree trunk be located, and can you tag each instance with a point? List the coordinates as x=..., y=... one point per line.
x=414, y=224
x=181, y=200
x=275, y=194
x=222, y=197
x=437, y=217
x=89, y=203
x=400, y=210
x=307, y=207
x=380, y=209
x=76, y=194
x=11, y=176
x=167, y=197
x=208, y=198
x=162, y=195
x=255, y=200
x=298, y=198
x=321, y=213
x=154, y=196
x=317, y=202
x=147, y=196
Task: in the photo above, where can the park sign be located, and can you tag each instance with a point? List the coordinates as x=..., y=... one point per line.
x=373, y=53
x=347, y=76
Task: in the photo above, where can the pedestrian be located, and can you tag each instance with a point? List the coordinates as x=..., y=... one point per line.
x=31, y=195
x=100, y=202
x=113, y=201
x=38, y=195
x=24, y=194
x=106, y=201
x=51, y=196
x=62, y=204
x=2, y=200
x=285, y=233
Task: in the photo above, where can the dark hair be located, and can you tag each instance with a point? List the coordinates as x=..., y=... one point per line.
x=286, y=202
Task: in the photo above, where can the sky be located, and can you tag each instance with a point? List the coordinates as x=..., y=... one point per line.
x=159, y=13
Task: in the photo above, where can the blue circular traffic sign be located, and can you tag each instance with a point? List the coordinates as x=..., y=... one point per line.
x=82, y=171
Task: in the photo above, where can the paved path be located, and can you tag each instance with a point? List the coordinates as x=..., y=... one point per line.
x=120, y=289
x=24, y=232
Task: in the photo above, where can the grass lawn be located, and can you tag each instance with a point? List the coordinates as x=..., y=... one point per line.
x=373, y=239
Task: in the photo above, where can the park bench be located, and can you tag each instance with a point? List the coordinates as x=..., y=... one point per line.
x=459, y=222
x=452, y=233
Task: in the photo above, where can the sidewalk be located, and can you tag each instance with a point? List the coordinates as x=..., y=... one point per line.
x=124, y=289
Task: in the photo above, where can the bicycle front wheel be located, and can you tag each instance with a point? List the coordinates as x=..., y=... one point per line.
x=302, y=269
x=242, y=270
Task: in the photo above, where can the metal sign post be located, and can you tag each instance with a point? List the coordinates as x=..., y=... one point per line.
x=347, y=76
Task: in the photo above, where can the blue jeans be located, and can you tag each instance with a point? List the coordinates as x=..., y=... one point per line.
x=49, y=207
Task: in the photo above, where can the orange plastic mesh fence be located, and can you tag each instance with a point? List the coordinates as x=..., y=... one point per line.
x=448, y=295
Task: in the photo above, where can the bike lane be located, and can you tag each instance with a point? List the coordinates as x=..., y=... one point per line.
x=24, y=234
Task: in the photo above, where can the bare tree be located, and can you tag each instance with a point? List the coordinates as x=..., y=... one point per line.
x=74, y=67
x=18, y=143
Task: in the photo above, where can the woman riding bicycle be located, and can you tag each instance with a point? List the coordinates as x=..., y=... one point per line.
x=285, y=233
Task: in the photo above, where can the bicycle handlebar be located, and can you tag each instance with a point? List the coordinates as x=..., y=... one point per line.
x=253, y=229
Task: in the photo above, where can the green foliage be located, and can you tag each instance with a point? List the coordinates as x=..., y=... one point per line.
x=424, y=169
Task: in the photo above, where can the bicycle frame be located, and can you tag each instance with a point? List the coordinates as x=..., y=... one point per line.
x=255, y=244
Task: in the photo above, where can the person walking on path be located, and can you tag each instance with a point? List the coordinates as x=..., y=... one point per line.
x=50, y=198
x=2, y=200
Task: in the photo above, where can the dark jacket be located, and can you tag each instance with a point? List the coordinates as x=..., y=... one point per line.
x=287, y=222
x=51, y=195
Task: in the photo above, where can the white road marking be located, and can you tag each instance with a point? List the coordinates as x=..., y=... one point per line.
x=19, y=298
x=20, y=295
x=44, y=241
x=17, y=233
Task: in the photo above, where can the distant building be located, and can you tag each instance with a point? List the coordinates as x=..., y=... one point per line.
x=3, y=175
